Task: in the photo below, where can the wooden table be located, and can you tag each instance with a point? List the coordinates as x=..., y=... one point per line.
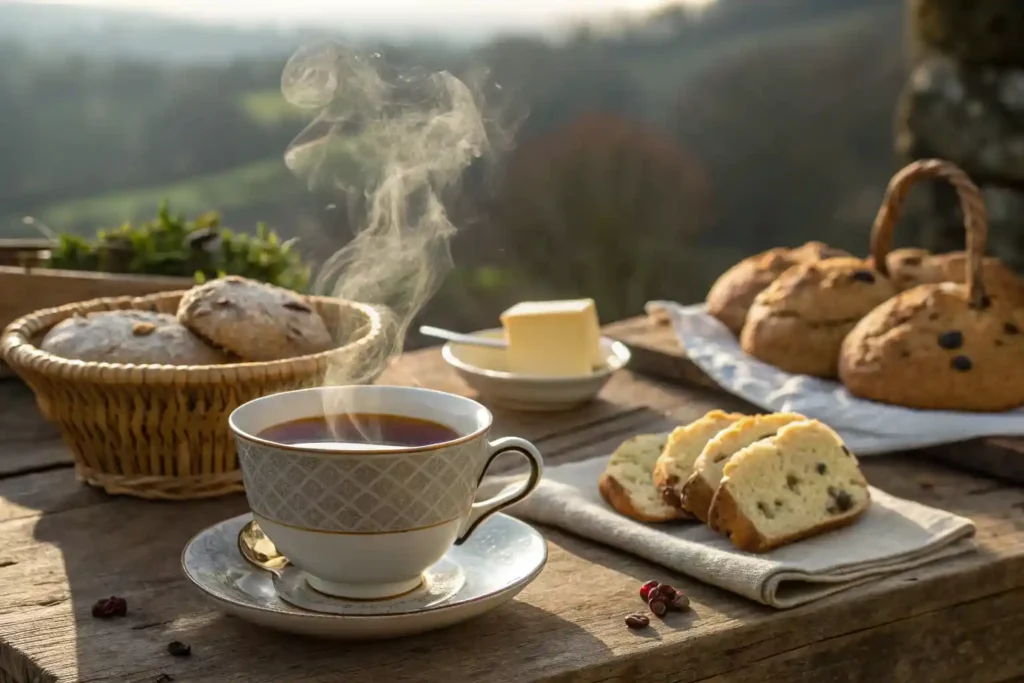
x=62, y=546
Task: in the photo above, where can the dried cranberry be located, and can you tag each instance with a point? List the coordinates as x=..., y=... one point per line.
x=179, y=649
x=665, y=592
x=105, y=608
x=682, y=602
x=638, y=620
x=645, y=590
x=658, y=606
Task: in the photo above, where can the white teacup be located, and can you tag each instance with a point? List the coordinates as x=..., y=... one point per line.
x=364, y=521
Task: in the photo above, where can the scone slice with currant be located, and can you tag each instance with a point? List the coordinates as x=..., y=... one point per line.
x=707, y=469
x=627, y=483
x=799, y=483
x=685, y=444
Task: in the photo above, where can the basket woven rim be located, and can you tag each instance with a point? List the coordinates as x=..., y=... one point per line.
x=18, y=351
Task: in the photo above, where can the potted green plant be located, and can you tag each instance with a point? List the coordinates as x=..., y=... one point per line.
x=166, y=253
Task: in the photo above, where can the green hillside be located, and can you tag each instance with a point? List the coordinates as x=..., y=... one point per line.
x=269, y=108
x=262, y=181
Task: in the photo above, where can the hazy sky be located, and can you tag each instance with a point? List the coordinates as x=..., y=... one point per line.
x=363, y=14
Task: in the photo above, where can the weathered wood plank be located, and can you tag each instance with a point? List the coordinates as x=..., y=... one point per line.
x=62, y=546
x=24, y=252
x=27, y=441
x=568, y=624
x=977, y=655
x=657, y=352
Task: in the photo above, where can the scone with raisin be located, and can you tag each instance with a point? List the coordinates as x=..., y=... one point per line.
x=930, y=348
x=627, y=483
x=732, y=294
x=699, y=489
x=796, y=484
x=905, y=267
x=799, y=321
x=674, y=466
x=255, y=321
x=129, y=337
x=945, y=346
x=1000, y=280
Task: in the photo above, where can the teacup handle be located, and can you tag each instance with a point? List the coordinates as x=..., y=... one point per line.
x=510, y=494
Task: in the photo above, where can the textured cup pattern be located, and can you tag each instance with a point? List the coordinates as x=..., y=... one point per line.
x=361, y=494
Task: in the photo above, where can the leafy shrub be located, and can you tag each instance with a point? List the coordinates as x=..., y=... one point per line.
x=173, y=246
x=604, y=208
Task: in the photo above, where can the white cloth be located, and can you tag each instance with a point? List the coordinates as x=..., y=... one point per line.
x=867, y=427
x=893, y=535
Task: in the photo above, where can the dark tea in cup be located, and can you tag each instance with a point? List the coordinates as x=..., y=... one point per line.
x=359, y=431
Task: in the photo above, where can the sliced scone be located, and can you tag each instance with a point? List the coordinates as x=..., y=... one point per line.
x=700, y=488
x=685, y=444
x=800, y=483
x=628, y=483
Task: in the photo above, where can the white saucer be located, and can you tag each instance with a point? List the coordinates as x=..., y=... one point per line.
x=500, y=559
x=485, y=370
x=441, y=583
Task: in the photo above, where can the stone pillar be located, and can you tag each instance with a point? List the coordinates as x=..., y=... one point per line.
x=964, y=101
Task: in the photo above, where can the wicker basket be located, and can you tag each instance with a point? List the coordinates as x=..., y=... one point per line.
x=161, y=431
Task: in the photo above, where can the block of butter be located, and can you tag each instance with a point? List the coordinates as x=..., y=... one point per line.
x=553, y=338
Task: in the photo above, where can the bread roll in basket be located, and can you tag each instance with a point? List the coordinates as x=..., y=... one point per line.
x=161, y=431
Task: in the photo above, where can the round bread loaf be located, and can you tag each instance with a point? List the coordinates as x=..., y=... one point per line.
x=798, y=323
x=129, y=337
x=1000, y=281
x=256, y=321
x=929, y=348
x=732, y=294
x=905, y=266
x=938, y=346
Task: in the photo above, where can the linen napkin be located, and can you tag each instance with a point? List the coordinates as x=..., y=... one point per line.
x=893, y=535
x=867, y=427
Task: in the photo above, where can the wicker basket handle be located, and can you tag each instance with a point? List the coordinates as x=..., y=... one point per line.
x=971, y=203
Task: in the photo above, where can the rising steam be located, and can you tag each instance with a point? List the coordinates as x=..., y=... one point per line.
x=389, y=142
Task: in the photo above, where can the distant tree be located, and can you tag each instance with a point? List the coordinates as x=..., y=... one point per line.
x=604, y=208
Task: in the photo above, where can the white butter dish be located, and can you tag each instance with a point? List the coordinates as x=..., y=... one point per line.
x=485, y=370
